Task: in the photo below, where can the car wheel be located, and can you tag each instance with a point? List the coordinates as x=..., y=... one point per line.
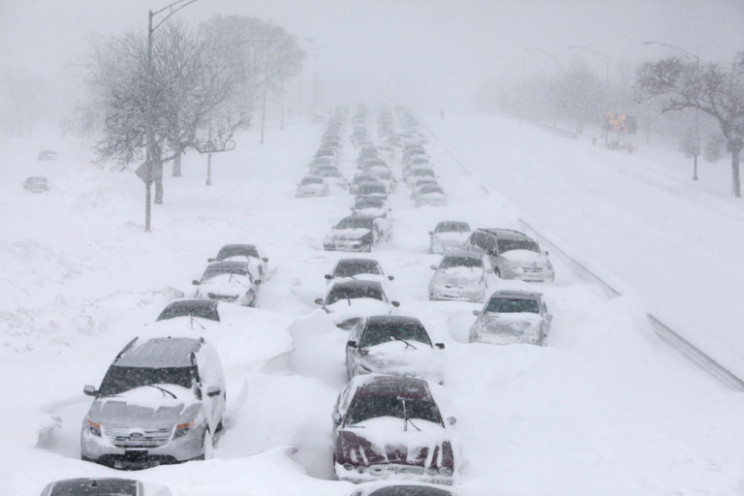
x=219, y=427
x=207, y=446
x=251, y=299
x=368, y=248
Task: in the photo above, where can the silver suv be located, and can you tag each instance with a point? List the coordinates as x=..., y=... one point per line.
x=160, y=402
x=512, y=254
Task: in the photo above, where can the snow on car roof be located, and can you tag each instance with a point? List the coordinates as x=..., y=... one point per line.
x=391, y=385
x=160, y=352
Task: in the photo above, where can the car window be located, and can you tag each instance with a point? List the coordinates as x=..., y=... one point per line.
x=352, y=292
x=364, y=408
x=517, y=244
x=512, y=305
x=355, y=223
x=120, y=379
x=350, y=269
x=382, y=332
x=449, y=262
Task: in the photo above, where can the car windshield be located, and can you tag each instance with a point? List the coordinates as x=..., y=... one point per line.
x=422, y=172
x=237, y=250
x=355, y=223
x=201, y=308
x=369, y=203
x=369, y=407
x=457, y=261
x=216, y=270
x=431, y=189
x=517, y=244
x=95, y=487
x=119, y=379
x=403, y=490
x=352, y=292
x=349, y=269
x=382, y=332
x=371, y=188
x=452, y=227
x=512, y=305
x=311, y=180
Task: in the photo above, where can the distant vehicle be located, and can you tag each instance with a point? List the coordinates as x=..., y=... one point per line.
x=512, y=254
x=375, y=190
x=362, y=178
x=387, y=426
x=228, y=281
x=194, y=307
x=349, y=300
x=334, y=177
x=160, y=402
x=358, y=268
x=312, y=186
x=103, y=486
x=47, y=155
x=36, y=184
x=355, y=233
x=429, y=195
x=448, y=235
x=393, y=344
x=243, y=252
x=460, y=275
x=512, y=317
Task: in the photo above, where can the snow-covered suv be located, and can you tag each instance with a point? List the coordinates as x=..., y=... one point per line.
x=160, y=402
x=512, y=254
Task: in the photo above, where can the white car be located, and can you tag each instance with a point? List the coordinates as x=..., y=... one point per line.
x=358, y=269
x=448, y=235
x=312, y=186
x=228, y=281
x=103, y=486
x=393, y=344
x=460, y=275
x=348, y=301
x=355, y=233
x=429, y=194
x=512, y=254
x=258, y=263
x=512, y=317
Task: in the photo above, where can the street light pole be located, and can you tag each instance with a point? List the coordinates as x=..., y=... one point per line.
x=696, y=137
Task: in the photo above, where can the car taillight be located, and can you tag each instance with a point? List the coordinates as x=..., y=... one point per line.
x=94, y=428
x=183, y=429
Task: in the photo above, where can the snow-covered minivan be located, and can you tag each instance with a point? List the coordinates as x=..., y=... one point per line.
x=160, y=402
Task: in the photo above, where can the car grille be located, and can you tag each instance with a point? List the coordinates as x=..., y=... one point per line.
x=134, y=438
x=221, y=297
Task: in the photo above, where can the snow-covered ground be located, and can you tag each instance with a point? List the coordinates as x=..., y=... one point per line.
x=605, y=408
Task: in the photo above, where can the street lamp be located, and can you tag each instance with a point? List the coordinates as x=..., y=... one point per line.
x=696, y=138
x=148, y=173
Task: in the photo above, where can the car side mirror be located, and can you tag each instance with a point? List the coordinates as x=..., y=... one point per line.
x=351, y=344
x=257, y=281
x=195, y=282
x=213, y=391
x=439, y=345
x=336, y=418
x=390, y=278
x=89, y=390
x=319, y=301
x=328, y=276
x=451, y=420
x=476, y=312
x=396, y=304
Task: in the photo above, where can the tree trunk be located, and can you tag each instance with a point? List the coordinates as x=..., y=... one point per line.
x=735, y=182
x=177, y=164
x=158, y=182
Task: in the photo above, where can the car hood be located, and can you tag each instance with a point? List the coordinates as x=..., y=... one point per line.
x=356, y=233
x=398, y=358
x=371, y=211
x=451, y=238
x=524, y=257
x=146, y=406
x=459, y=275
x=515, y=324
x=226, y=284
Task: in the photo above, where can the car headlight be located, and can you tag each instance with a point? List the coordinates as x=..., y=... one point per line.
x=94, y=428
x=183, y=429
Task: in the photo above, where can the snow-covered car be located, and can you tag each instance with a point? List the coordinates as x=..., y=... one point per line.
x=448, y=235
x=312, y=186
x=512, y=254
x=408, y=488
x=228, y=281
x=358, y=269
x=161, y=401
x=375, y=190
x=387, y=426
x=103, y=486
x=36, y=184
x=355, y=233
x=361, y=178
x=319, y=162
x=192, y=308
x=369, y=205
x=393, y=344
x=385, y=175
x=460, y=275
x=511, y=316
x=418, y=172
x=334, y=177
x=429, y=194
x=347, y=301
x=258, y=263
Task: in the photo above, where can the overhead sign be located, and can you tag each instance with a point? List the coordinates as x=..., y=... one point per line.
x=148, y=172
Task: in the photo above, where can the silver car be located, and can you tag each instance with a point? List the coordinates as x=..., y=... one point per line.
x=511, y=316
x=448, y=235
x=460, y=276
x=161, y=401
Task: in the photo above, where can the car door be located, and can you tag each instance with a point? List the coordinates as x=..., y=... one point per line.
x=212, y=384
x=352, y=352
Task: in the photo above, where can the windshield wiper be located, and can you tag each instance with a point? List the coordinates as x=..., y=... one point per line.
x=408, y=345
x=164, y=391
x=406, y=420
x=192, y=317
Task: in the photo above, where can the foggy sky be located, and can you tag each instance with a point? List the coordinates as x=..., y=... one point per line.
x=419, y=52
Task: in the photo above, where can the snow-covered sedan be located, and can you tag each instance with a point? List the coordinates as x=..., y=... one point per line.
x=312, y=186
x=399, y=488
x=358, y=268
x=393, y=344
x=103, y=486
x=448, y=235
x=429, y=194
x=161, y=401
x=354, y=233
x=228, y=281
x=389, y=426
x=512, y=254
x=511, y=316
x=347, y=301
x=244, y=252
x=460, y=275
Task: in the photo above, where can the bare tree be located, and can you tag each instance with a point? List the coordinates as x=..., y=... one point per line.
x=717, y=91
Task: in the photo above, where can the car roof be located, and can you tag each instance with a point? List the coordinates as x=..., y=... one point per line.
x=392, y=319
x=505, y=233
x=515, y=293
x=462, y=254
x=239, y=245
x=357, y=261
x=229, y=265
x=159, y=352
x=452, y=222
x=94, y=486
x=190, y=306
x=381, y=385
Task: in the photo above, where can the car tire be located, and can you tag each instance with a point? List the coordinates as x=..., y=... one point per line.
x=207, y=446
x=368, y=248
